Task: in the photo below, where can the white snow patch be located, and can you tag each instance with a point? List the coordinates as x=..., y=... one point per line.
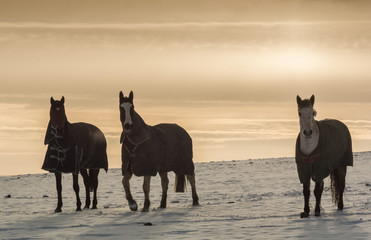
x=252, y=199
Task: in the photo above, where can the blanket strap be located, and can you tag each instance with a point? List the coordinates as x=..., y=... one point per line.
x=136, y=145
x=56, y=146
x=311, y=159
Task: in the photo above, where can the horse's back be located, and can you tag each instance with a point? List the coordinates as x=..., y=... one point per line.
x=91, y=144
x=336, y=137
x=177, y=148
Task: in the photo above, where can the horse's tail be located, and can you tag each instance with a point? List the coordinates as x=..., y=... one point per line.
x=335, y=187
x=180, y=182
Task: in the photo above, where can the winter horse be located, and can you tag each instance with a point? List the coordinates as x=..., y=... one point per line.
x=147, y=150
x=323, y=148
x=74, y=148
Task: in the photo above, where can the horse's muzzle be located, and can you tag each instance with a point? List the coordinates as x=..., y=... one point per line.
x=308, y=133
x=127, y=127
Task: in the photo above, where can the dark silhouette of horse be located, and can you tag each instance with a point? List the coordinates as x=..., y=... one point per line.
x=323, y=148
x=148, y=150
x=74, y=148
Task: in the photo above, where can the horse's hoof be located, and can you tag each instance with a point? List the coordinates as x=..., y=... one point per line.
x=340, y=207
x=304, y=215
x=94, y=207
x=196, y=204
x=317, y=214
x=145, y=210
x=163, y=206
x=78, y=209
x=133, y=206
x=58, y=210
x=86, y=207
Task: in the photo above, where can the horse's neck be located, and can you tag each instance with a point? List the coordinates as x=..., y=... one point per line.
x=141, y=129
x=307, y=146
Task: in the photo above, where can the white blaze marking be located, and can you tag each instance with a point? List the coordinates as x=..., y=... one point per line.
x=307, y=122
x=126, y=106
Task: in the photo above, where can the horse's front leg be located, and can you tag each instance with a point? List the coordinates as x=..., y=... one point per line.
x=146, y=186
x=318, y=189
x=76, y=188
x=85, y=176
x=165, y=186
x=58, y=180
x=125, y=182
x=306, y=193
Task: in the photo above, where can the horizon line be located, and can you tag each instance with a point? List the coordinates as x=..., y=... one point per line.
x=149, y=25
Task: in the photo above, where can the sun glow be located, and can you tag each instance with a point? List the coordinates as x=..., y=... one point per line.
x=295, y=61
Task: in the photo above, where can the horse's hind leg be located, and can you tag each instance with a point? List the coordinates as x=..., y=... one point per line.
x=76, y=188
x=125, y=182
x=318, y=189
x=94, y=184
x=85, y=176
x=165, y=186
x=58, y=179
x=146, y=187
x=192, y=180
x=340, y=174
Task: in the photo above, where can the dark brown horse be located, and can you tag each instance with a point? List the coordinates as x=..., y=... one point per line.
x=323, y=148
x=148, y=150
x=74, y=148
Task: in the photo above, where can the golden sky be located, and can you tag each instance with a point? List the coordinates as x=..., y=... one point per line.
x=227, y=71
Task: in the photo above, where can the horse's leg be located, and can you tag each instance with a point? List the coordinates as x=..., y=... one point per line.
x=306, y=193
x=146, y=186
x=165, y=186
x=85, y=176
x=340, y=172
x=125, y=182
x=58, y=179
x=192, y=180
x=318, y=189
x=76, y=188
x=94, y=182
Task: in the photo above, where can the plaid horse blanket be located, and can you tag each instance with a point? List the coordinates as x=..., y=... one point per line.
x=160, y=148
x=334, y=149
x=80, y=145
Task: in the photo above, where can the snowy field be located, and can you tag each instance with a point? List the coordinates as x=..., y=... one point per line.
x=251, y=199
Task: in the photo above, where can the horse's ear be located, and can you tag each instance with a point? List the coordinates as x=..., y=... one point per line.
x=62, y=100
x=52, y=100
x=121, y=97
x=298, y=99
x=312, y=100
x=131, y=96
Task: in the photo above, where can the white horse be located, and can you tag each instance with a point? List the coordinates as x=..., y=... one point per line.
x=323, y=148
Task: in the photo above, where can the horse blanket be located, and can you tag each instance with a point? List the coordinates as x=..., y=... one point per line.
x=80, y=145
x=334, y=149
x=160, y=148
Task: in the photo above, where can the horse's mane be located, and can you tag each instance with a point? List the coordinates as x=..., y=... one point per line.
x=141, y=130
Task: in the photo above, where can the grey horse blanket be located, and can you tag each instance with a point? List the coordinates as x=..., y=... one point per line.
x=81, y=145
x=334, y=149
x=160, y=148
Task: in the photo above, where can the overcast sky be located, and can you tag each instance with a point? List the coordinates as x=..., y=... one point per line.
x=228, y=71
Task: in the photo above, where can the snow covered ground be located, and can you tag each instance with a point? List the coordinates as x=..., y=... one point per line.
x=250, y=199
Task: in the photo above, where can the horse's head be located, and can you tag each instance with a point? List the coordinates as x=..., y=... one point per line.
x=57, y=113
x=127, y=112
x=306, y=116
